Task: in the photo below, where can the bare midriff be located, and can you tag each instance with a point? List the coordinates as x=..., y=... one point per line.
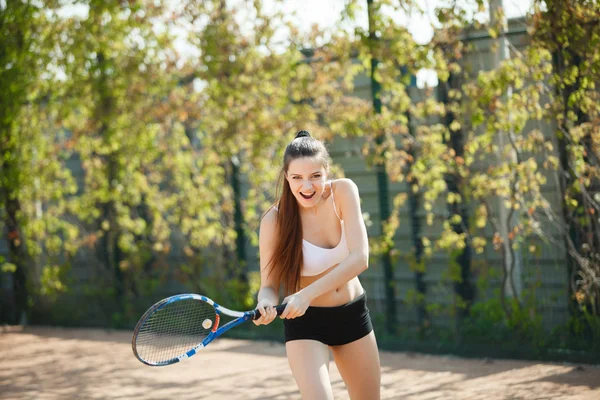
x=336, y=297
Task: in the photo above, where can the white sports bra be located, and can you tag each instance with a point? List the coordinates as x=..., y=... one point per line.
x=317, y=260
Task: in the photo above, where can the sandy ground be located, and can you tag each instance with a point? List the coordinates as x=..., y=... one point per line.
x=54, y=363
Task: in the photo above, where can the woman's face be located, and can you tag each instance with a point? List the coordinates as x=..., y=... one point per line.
x=306, y=177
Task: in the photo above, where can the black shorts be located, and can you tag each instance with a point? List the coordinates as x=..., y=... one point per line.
x=333, y=326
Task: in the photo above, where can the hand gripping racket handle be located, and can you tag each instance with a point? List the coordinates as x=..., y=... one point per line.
x=278, y=308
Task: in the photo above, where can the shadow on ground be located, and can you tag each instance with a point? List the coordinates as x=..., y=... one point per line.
x=56, y=363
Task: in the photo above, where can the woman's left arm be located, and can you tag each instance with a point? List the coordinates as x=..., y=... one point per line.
x=348, y=201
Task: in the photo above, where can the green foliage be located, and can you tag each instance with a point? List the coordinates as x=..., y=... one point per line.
x=488, y=324
x=504, y=164
x=35, y=182
x=569, y=30
x=8, y=267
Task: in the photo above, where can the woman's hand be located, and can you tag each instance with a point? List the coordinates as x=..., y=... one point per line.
x=296, y=305
x=267, y=312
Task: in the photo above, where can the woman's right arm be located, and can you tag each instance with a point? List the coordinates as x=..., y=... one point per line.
x=268, y=295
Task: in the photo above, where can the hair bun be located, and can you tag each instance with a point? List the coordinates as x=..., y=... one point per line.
x=302, y=134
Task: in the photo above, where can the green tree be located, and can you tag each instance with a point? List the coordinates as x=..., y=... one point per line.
x=569, y=30
x=33, y=179
x=486, y=148
x=508, y=159
x=119, y=67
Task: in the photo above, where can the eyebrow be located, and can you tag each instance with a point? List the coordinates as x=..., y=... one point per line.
x=312, y=173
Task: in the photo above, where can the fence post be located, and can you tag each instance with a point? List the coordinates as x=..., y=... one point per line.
x=382, y=183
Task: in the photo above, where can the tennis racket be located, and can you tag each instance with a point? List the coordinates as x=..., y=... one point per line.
x=179, y=326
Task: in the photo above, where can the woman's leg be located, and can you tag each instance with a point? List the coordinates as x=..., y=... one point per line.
x=309, y=361
x=359, y=366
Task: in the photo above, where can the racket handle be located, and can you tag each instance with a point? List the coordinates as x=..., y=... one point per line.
x=278, y=308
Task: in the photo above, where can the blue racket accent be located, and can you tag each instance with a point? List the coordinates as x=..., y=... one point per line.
x=179, y=326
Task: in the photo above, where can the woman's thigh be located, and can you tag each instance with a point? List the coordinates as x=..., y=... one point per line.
x=359, y=366
x=309, y=361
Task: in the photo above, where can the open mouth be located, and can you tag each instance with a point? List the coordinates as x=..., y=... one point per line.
x=308, y=196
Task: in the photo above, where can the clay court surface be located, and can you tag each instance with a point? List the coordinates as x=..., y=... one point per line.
x=54, y=363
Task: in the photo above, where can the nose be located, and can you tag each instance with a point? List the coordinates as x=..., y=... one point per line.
x=306, y=185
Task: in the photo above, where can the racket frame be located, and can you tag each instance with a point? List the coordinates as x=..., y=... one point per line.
x=216, y=331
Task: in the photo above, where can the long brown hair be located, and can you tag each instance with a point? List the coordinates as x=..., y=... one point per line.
x=286, y=262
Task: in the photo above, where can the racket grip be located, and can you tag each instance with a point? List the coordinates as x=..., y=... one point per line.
x=278, y=308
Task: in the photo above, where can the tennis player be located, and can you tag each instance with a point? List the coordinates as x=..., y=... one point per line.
x=313, y=243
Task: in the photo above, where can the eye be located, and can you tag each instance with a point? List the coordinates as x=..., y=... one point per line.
x=317, y=176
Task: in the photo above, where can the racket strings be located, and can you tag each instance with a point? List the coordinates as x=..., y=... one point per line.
x=175, y=329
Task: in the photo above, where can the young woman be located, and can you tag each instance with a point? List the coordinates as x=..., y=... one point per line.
x=313, y=242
